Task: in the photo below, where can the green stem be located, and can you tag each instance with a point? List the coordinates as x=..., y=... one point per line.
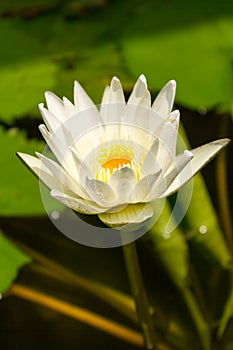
x=201, y=325
x=139, y=294
x=224, y=198
x=222, y=187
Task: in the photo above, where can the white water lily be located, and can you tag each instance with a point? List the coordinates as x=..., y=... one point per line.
x=117, y=160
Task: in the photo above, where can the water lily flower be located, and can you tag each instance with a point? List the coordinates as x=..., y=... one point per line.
x=116, y=160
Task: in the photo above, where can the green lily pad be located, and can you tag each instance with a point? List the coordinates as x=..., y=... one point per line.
x=19, y=189
x=191, y=44
x=172, y=249
x=25, y=70
x=201, y=223
x=36, y=62
x=11, y=260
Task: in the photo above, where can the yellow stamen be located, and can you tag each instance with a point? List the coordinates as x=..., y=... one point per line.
x=115, y=163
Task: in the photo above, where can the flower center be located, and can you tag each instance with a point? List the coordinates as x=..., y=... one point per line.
x=116, y=163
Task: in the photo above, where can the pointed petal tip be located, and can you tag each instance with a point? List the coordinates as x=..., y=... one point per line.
x=19, y=154
x=22, y=156
x=77, y=85
x=188, y=154
x=39, y=155
x=143, y=78
x=41, y=126
x=51, y=98
x=54, y=192
x=41, y=106
x=174, y=116
x=224, y=141
x=115, y=84
x=48, y=94
x=44, y=131
x=220, y=142
x=114, y=78
x=173, y=83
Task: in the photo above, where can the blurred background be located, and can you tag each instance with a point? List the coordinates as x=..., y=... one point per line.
x=46, y=45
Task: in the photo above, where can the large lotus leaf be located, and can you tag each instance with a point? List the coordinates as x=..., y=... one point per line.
x=25, y=71
x=22, y=87
x=201, y=222
x=88, y=56
x=171, y=248
x=203, y=228
x=190, y=43
x=19, y=189
x=93, y=72
x=173, y=251
x=11, y=260
x=51, y=60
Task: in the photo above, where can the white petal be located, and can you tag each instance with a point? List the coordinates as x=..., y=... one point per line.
x=132, y=214
x=124, y=191
x=165, y=99
x=78, y=204
x=55, y=106
x=166, y=178
x=42, y=172
x=100, y=192
x=81, y=99
x=67, y=182
x=124, y=173
x=123, y=181
x=140, y=94
x=139, y=112
x=143, y=187
x=106, y=94
x=159, y=187
x=113, y=102
x=70, y=109
x=54, y=144
x=59, y=145
x=150, y=164
x=104, y=102
x=80, y=163
x=83, y=170
x=177, y=166
x=139, y=105
x=201, y=156
x=167, y=140
x=116, y=94
x=50, y=120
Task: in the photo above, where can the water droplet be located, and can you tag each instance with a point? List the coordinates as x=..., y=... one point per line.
x=202, y=110
x=55, y=215
x=203, y=229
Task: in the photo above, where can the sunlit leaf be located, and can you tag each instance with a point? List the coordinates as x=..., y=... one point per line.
x=203, y=227
x=171, y=248
x=189, y=43
x=11, y=260
x=19, y=189
x=25, y=70
x=173, y=251
x=36, y=63
x=201, y=222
